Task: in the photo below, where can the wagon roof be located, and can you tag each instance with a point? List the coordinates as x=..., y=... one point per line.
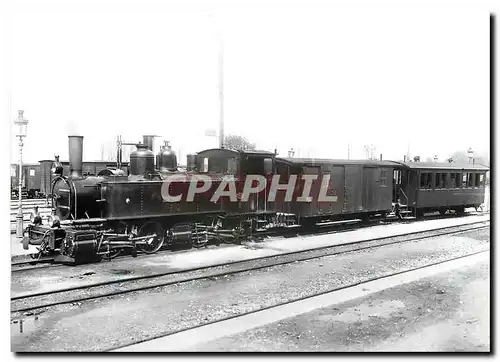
x=65, y=163
x=325, y=161
x=247, y=152
x=443, y=166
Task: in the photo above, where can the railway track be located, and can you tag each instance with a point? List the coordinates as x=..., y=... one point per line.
x=234, y=324
x=110, y=288
x=325, y=230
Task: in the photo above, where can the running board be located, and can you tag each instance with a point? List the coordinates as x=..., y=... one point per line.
x=326, y=223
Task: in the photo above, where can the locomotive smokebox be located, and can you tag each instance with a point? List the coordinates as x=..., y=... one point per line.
x=148, y=142
x=75, y=156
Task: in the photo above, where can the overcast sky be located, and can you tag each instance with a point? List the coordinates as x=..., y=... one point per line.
x=312, y=79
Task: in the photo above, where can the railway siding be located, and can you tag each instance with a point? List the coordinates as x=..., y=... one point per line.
x=132, y=317
x=53, y=278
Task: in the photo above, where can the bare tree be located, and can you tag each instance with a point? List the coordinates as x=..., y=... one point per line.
x=238, y=143
x=370, y=151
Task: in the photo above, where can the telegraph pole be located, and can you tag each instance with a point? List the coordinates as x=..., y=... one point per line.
x=221, y=90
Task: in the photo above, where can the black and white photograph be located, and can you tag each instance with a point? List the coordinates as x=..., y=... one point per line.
x=249, y=176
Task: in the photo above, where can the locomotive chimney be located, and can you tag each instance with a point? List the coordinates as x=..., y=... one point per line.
x=148, y=141
x=75, y=156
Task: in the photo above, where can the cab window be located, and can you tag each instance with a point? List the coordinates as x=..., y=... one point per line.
x=268, y=166
x=227, y=165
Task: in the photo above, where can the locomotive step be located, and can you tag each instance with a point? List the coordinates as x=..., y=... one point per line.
x=408, y=218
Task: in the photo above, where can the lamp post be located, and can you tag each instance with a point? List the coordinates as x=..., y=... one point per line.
x=470, y=153
x=22, y=125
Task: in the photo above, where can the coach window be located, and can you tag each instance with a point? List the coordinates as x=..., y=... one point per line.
x=445, y=181
x=426, y=180
x=478, y=180
x=458, y=180
x=430, y=177
x=423, y=180
x=467, y=179
x=470, y=179
x=204, y=166
x=437, y=181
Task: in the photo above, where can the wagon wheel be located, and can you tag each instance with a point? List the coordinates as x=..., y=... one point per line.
x=121, y=228
x=156, y=243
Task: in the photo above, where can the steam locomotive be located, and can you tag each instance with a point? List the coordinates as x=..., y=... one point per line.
x=99, y=217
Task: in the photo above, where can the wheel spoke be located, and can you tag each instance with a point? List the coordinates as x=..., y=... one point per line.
x=154, y=243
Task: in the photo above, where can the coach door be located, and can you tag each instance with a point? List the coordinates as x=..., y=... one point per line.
x=408, y=188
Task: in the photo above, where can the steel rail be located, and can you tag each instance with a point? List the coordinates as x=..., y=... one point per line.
x=325, y=230
x=217, y=274
x=296, y=300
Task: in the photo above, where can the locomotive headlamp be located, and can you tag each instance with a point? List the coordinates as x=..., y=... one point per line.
x=53, y=221
x=35, y=219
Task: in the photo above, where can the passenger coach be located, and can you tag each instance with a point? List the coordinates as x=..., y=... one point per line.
x=429, y=187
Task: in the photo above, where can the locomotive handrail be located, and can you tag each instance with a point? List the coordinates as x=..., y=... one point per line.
x=406, y=197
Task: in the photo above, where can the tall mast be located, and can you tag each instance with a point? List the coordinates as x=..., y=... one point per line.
x=221, y=90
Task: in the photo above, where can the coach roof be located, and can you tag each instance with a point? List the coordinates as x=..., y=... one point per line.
x=443, y=166
x=325, y=161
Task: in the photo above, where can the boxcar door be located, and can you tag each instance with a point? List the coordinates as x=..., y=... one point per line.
x=335, y=190
x=353, y=197
x=311, y=206
x=370, y=182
